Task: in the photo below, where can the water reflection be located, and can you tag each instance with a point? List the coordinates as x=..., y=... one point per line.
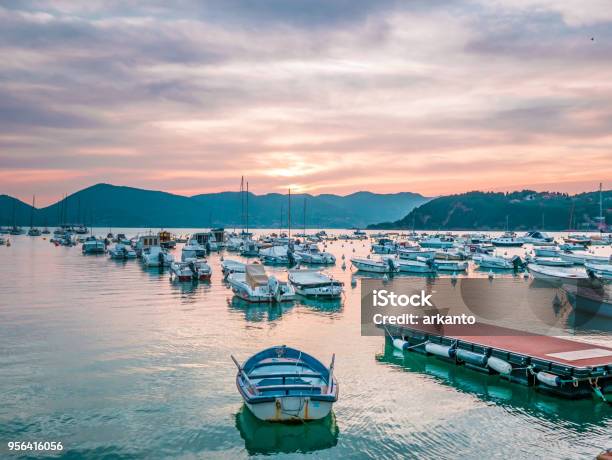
x=322, y=305
x=258, y=312
x=581, y=414
x=273, y=438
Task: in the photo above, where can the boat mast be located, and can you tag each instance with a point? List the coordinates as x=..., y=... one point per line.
x=32, y=210
x=247, y=207
x=289, y=215
x=242, y=205
x=304, y=214
x=601, y=217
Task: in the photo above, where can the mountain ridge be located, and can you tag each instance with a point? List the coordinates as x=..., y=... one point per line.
x=519, y=210
x=106, y=204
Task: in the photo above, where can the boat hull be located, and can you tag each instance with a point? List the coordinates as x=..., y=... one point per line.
x=290, y=409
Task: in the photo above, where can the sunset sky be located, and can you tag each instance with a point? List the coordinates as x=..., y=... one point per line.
x=324, y=96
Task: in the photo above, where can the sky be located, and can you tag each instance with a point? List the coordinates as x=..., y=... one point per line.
x=323, y=96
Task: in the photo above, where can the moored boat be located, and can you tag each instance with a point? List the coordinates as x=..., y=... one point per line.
x=232, y=266
x=450, y=265
x=254, y=285
x=497, y=262
x=421, y=265
x=601, y=271
x=582, y=257
x=181, y=271
x=507, y=240
x=312, y=283
x=552, y=262
x=93, y=245
x=388, y=265
x=556, y=274
x=283, y=384
x=121, y=252
x=156, y=256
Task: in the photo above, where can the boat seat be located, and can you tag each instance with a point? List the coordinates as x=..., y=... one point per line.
x=286, y=387
x=285, y=374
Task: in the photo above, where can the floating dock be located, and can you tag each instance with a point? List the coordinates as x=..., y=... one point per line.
x=554, y=365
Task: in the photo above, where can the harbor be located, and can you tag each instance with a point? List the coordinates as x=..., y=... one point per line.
x=106, y=340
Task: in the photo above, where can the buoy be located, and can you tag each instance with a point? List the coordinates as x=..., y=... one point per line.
x=353, y=249
x=491, y=275
x=368, y=256
x=400, y=344
x=343, y=257
x=499, y=365
x=343, y=266
x=525, y=275
x=385, y=278
x=446, y=351
x=454, y=276
x=472, y=358
x=221, y=258
x=353, y=281
x=549, y=379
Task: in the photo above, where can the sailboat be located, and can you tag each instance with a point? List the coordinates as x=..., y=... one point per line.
x=33, y=231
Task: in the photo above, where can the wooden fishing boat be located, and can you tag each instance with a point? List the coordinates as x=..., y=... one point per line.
x=283, y=384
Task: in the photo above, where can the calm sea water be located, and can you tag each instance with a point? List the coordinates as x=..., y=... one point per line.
x=115, y=361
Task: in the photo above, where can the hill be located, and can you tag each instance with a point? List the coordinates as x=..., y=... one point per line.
x=522, y=210
x=118, y=206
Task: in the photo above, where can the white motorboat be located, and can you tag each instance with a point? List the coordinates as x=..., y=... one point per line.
x=388, y=265
x=249, y=248
x=590, y=299
x=312, y=283
x=450, y=265
x=421, y=265
x=121, y=252
x=546, y=251
x=601, y=271
x=572, y=247
x=556, y=274
x=279, y=255
x=311, y=254
x=539, y=238
x=232, y=266
x=552, y=262
x=144, y=242
x=450, y=254
x=413, y=253
x=497, y=262
x=181, y=271
x=254, y=285
x=201, y=269
x=507, y=240
x=282, y=384
x=156, y=256
x=93, y=246
x=384, y=246
x=437, y=242
x=207, y=240
x=582, y=257
x=584, y=240
x=194, y=249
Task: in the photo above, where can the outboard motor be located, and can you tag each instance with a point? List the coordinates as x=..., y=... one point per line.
x=291, y=258
x=274, y=286
x=517, y=263
x=207, y=246
x=391, y=264
x=160, y=258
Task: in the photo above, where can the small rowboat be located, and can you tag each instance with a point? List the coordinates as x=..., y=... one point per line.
x=282, y=384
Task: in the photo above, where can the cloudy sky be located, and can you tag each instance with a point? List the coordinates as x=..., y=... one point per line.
x=430, y=96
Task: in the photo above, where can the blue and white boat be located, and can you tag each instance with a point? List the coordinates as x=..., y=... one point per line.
x=282, y=384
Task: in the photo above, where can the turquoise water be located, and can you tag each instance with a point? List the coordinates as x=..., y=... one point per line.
x=115, y=361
